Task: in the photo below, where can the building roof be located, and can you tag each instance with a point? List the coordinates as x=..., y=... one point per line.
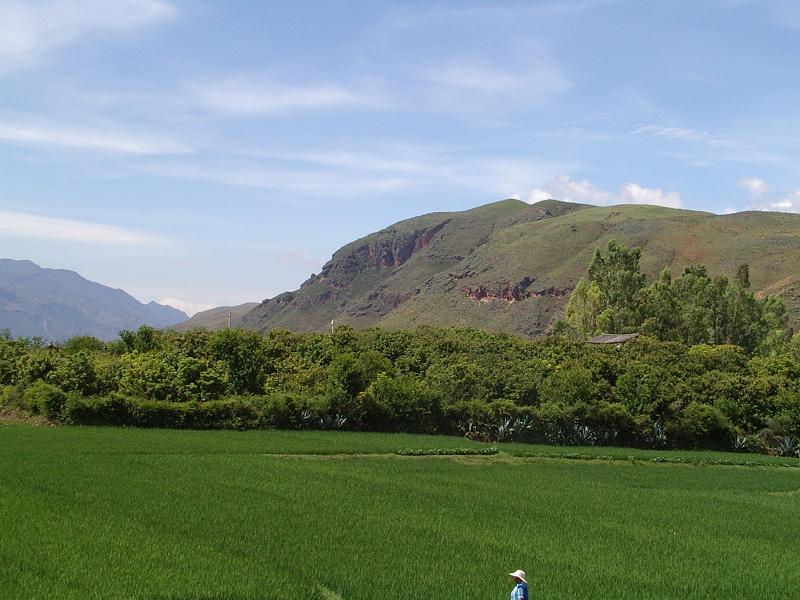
x=612, y=338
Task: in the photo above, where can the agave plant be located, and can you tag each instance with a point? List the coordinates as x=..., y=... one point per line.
x=555, y=435
x=656, y=436
x=789, y=446
x=329, y=421
x=522, y=424
x=607, y=437
x=583, y=435
x=306, y=419
x=505, y=429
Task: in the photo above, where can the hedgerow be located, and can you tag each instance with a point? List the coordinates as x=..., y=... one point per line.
x=484, y=386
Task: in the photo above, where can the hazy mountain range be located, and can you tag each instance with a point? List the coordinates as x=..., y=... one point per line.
x=55, y=304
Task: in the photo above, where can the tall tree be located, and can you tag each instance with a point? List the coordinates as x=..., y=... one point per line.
x=607, y=299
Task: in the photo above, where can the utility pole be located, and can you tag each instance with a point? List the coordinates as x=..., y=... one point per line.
x=230, y=317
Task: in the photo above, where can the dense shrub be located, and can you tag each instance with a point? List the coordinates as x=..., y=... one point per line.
x=701, y=426
x=44, y=399
x=114, y=409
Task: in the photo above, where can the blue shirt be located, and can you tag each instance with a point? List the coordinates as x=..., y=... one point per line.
x=520, y=592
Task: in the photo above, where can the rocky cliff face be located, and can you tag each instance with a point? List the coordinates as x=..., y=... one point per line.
x=372, y=277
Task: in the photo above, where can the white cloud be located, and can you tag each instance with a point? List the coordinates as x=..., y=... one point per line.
x=563, y=188
x=755, y=187
x=190, y=308
x=763, y=200
x=789, y=203
x=245, y=96
x=29, y=29
x=54, y=134
x=633, y=193
x=28, y=225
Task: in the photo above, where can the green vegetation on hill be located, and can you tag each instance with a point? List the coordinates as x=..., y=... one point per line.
x=137, y=514
x=510, y=266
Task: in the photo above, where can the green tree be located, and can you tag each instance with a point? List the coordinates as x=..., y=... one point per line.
x=242, y=352
x=144, y=339
x=607, y=300
x=584, y=307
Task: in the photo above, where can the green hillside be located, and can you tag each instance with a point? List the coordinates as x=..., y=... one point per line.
x=510, y=266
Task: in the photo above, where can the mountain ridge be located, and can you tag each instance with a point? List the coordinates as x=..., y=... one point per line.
x=56, y=304
x=510, y=266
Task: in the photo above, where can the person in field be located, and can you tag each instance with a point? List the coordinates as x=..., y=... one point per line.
x=520, y=591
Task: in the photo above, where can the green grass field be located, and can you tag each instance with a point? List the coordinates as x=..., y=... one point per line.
x=123, y=513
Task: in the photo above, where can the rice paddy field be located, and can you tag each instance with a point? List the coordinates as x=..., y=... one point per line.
x=125, y=513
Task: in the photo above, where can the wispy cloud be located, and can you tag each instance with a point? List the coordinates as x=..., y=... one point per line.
x=783, y=13
x=491, y=13
x=347, y=174
x=322, y=183
x=57, y=134
x=29, y=29
x=302, y=259
x=28, y=225
x=250, y=96
x=686, y=134
x=537, y=79
x=564, y=188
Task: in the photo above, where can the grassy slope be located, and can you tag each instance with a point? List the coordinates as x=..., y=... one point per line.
x=157, y=514
x=556, y=252
x=353, y=287
x=502, y=243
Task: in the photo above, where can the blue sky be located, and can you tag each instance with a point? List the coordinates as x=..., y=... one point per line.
x=208, y=153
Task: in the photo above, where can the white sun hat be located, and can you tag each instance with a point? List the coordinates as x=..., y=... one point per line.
x=519, y=574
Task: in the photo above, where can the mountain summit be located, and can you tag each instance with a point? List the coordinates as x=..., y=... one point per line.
x=510, y=266
x=55, y=304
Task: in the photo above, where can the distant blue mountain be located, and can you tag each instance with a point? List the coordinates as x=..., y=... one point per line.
x=56, y=304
